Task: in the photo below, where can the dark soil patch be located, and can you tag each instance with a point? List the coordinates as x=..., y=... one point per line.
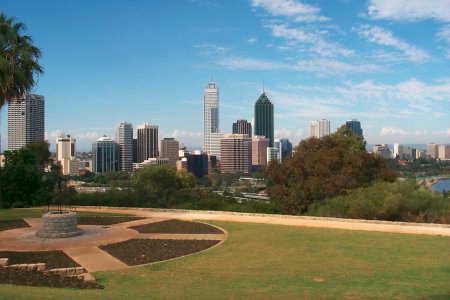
x=13, y=224
x=36, y=278
x=106, y=220
x=177, y=226
x=52, y=259
x=143, y=251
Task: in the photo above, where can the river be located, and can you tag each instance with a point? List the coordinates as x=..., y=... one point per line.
x=441, y=185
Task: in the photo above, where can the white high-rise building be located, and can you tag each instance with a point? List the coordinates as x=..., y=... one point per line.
x=65, y=155
x=274, y=153
x=402, y=152
x=319, y=128
x=124, y=138
x=211, y=130
x=26, y=121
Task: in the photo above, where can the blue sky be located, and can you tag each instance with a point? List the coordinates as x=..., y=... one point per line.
x=384, y=62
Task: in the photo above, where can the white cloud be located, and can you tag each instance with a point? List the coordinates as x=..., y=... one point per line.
x=395, y=131
x=318, y=44
x=319, y=67
x=211, y=49
x=294, y=9
x=409, y=10
x=444, y=35
x=252, y=40
x=384, y=37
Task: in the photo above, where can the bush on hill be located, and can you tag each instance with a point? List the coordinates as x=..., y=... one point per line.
x=399, y=201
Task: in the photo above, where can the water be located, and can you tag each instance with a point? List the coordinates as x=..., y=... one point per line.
x=442, y=185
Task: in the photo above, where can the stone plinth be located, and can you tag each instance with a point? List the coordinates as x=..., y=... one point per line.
x=57, y=225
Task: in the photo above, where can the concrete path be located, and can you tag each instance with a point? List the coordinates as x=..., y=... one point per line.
x=318, y=222
x=94, y=259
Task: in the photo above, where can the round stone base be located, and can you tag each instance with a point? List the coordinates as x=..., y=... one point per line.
x=56, y=225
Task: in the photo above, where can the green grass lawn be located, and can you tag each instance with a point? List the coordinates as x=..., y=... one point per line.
x=261, y=261
x=19, y=213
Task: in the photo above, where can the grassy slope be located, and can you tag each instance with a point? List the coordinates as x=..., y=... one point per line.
x=19, y=213
x=263, y=261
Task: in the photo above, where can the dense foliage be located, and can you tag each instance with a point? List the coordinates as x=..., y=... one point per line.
x=324, y=168
x=398, y=201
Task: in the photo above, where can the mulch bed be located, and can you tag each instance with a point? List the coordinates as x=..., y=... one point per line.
x=177, y=226
x=52, y=259
x=106, y=220
x=13, y=224
x=36, y=278
x=143, y=251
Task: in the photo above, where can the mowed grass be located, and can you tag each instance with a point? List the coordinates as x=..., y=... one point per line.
x=260, y=261
x=19, y=213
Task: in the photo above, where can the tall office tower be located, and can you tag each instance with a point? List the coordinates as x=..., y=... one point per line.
x=242, y=127
x=259, y=151
x=26, y=121
x=402, y=152
x=319, y=128
x=382, y=150
x=134, y=150
x=433, y=150
x=273, y=154
x=286, y=149
x=106, y=155
x=264, y=118
x=444, y=152
x=355, y=126
x=124, y=138
x=147, y=142
x=236, y=153
x=211, y=129
x=65, y=154
x=170, y=148
x=197, y=163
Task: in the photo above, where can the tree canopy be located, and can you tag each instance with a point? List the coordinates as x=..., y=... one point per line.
x=324, y=168
x=18, y=60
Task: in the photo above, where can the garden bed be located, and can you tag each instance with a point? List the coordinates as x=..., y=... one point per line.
x=52, y=259
x=105, y=220
x=13, y=224
x=143, y=251
x=177, y=227
x=37, y=278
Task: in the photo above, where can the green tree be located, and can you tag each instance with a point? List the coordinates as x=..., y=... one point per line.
x=157, y=184
x=18, y=60
x=20, y=179
x=324, y=168
x=41, y=152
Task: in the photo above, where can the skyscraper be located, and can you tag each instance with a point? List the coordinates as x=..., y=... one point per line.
x=236, y=153
x=286, y=149
x=355, y=126
x=26, y=121
x=259, y=151
x=211, y=130
x=170, y=149
x=433, y=150
x=242, y=127
x=65, y=154
x=319, y=128
x=106, y=155
x=264, y=118
x=124, y=138
x=147, y=142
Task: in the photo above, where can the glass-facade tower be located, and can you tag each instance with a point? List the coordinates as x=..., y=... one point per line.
x=264, y=118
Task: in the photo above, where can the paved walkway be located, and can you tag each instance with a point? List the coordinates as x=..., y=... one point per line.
x=84, y=248
x=349, y=224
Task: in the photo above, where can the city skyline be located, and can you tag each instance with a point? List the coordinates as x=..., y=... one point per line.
x=386, y=66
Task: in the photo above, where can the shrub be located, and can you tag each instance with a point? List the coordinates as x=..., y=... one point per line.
x=399, y=201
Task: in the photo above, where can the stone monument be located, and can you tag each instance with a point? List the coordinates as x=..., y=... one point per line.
x=59, y=224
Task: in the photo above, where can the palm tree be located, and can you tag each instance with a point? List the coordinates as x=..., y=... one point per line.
x=18, y=60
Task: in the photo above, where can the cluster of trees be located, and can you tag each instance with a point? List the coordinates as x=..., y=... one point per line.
x=324, y=168
x=22, y=180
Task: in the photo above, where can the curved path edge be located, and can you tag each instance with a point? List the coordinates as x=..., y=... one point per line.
x=306, y=221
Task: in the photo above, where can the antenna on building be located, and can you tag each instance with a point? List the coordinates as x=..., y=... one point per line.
x=263, y=88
